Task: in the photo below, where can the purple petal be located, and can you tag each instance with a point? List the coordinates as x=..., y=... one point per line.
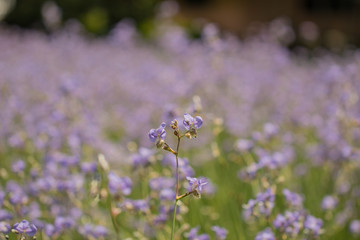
x=198, y=122
x=152, y=135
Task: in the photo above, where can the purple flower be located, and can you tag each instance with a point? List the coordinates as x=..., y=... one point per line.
x=5, y=215
x=355, y=227
x=167, y=195
x=192, y=123
x=289, y=224
x=18, y=166
x=5, y=227
x=156, y=184
x=50, y=230
x=292, y=198
x=62, y=223
x=143, y=157
x=196, y=185
x=266, y=201
x=329, y=203
x=184, y=167
x=267, y=234
x=220, y=232
x=244, y=145
x=193, y=235
x=24, y=227
x=158, y=134
x=116, y=184
x=100, y=231
x=270, y=130
x=88, y=167
x=141, y=205
x=94, y=231
x=313, y=225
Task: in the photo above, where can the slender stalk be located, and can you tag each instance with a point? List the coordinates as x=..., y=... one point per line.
x=177, y=166
x=177, y=187
x=173, y=223
x=185, y=195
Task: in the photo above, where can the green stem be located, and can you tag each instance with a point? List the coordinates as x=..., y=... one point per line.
x=177, y=167
x=184, y=195
x=177, y=187
x=173, y=224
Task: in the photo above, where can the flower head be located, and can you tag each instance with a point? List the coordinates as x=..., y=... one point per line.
x=196, y=185
x=192, y=124
x=24, y=227
x=158, y=134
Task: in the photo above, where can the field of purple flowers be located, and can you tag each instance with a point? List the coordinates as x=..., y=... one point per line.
x=90, y=134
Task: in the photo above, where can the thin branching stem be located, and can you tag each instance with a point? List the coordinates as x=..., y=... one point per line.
x=177, y=187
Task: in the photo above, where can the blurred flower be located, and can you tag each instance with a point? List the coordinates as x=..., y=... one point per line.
x=220, y=232
x=329, y=203
x=4, y=227
x=244, y=145
x=142, y=158
x=292, y=198
x=267, y=234
x=313, y=225
x=193, y=235
x=18, y=166
x=88, y=167
x=50, y=230
x=355, y=227
x=290, y=223
x=117, y=184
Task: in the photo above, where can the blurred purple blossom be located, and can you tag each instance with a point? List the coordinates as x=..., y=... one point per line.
x=267, y=234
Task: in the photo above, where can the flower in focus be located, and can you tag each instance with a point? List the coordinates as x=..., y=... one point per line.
x=24, y=227
x=196, y=185
x=192, y=124
x=220, y=232
x=158, y=135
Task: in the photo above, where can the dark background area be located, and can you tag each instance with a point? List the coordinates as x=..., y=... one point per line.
x=337, y=20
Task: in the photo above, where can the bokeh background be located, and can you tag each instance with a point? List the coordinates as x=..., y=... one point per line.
x=276, y=83
x=335, y=20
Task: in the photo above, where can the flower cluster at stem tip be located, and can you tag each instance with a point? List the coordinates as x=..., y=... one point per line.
x=191, y=125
